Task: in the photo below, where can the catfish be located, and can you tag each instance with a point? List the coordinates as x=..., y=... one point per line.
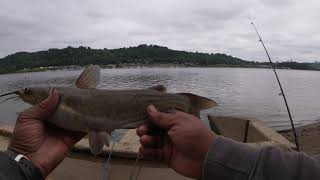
x=98, y=112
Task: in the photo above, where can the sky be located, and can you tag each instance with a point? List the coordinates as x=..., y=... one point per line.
x=289, y=28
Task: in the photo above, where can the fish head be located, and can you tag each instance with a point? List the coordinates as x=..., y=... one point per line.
x=33, y=95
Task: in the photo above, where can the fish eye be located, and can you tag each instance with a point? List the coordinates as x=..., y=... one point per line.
x=27, y=91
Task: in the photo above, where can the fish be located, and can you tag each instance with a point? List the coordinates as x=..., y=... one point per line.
x=98, y=112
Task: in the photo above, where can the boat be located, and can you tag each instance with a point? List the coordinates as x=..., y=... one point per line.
x=82, y=165
x=249, y=130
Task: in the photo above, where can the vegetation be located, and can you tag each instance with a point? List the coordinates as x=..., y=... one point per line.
x=140, y=55
x=296, y=65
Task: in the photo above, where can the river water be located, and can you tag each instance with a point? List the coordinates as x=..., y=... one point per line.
x=238, y=91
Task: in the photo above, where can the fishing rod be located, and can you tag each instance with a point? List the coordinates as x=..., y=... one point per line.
x=283, y=95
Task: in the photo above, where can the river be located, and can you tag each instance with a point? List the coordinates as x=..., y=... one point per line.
x=238, y=91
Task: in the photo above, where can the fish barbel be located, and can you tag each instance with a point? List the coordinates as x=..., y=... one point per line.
x=99, y=112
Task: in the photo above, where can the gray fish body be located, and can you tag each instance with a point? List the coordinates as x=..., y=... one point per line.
x=107, y=110
x=84, y=108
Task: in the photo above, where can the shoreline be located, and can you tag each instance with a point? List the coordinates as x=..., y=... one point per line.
x=136, y=66
x=308, y=138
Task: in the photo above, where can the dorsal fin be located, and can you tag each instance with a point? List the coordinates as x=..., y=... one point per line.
x=89, y=78
x=159, y=88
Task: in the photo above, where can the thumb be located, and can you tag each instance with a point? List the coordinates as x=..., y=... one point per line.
x=163, y=120
x=44, y=109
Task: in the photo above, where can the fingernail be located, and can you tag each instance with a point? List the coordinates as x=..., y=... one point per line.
x=50, y=92
x=151, y=108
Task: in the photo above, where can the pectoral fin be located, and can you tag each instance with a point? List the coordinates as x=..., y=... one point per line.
x=106, y=137
x=97, y=139
x=89, y=78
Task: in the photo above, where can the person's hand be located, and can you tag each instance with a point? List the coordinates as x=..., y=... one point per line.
x=184, y=144
x=45, y=145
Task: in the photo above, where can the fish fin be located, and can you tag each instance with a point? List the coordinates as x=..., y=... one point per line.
x=96, y=141
x=105, y=137
x=89, y=78
x=160, y=88
x=199, y=102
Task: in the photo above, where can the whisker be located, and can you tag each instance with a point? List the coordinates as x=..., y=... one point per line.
x=7, y=99
x=6, y=94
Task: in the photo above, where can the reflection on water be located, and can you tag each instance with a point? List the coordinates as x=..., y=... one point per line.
x=244, y=92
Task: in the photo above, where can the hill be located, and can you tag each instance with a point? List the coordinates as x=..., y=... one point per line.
x=142, y=54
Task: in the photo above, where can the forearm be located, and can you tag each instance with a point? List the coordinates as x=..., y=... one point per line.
x=227, y=159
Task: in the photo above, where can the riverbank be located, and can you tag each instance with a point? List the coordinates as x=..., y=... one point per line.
x=308, y=137
x=129, y=65
x=123, y=66
x=145, y=55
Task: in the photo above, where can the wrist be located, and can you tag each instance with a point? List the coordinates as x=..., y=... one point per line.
x=47, y=161
x=12, y=151
x=38, y=165
x=26, y=166
x=28, y=156
x=208, y=141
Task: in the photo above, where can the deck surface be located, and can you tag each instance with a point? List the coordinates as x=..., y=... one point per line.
x=81, y=165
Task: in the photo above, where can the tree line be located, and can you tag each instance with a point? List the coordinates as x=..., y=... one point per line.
x=142, y=54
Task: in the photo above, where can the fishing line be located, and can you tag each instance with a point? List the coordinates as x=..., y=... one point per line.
x=107, y=163
x=133, y=172
x=138, y=173
x=283, y=95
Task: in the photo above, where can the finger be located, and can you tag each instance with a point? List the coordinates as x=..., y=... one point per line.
x=149, y=129
x=44, y=109
x=154, y=130
x=151, y=153
x=151, y=141
x=162, y=120
x=142, y=130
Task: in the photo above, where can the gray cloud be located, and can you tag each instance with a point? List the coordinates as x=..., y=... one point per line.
x=278, y=3
x=289, y=27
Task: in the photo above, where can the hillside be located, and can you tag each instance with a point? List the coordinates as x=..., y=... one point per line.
x=142, y=54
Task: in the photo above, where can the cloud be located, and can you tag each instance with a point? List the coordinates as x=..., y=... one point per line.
x=289, y=27
x=278, y=3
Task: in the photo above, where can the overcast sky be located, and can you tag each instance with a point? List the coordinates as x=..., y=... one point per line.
x=290, y=28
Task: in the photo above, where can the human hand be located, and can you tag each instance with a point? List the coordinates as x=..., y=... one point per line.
x=44, y=144
x=184, y=144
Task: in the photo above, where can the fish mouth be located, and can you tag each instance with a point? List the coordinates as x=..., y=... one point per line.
x=14, y=93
